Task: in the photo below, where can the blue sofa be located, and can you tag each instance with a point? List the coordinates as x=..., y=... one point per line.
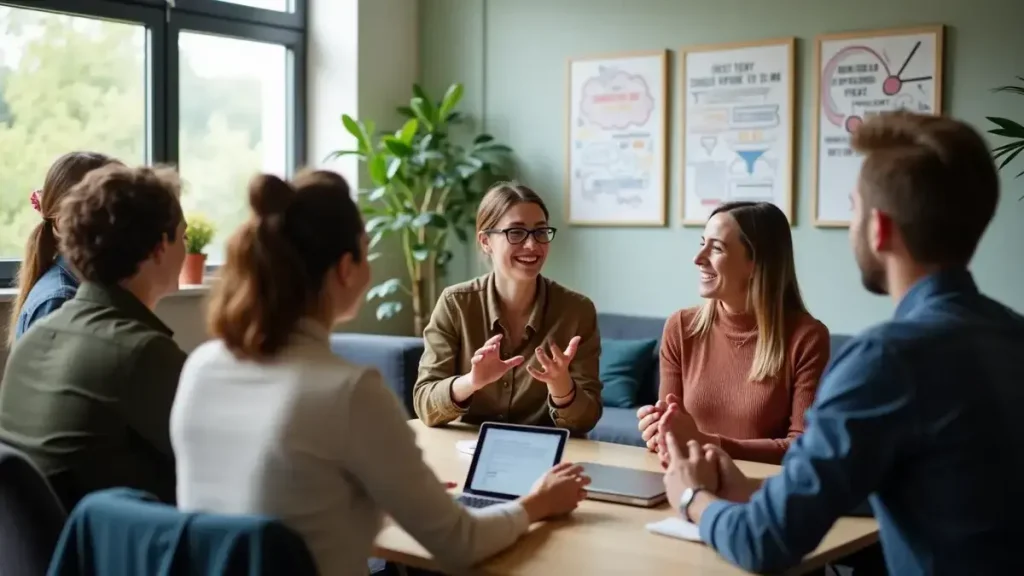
x=398, y=358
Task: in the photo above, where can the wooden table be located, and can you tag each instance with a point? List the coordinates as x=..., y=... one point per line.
x=599, y=537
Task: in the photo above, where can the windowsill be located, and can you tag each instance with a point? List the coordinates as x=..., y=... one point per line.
x=191, y=291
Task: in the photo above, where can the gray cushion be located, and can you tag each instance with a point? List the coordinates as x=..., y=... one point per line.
x=617, y=425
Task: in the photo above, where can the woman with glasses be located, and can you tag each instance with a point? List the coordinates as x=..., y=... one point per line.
x=511, y=346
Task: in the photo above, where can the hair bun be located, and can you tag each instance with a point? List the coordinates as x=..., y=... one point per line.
x=269, y=195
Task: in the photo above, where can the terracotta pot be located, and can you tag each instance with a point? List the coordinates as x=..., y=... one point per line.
x=192, y=270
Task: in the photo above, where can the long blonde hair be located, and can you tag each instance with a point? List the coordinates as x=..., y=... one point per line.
x=774, y=293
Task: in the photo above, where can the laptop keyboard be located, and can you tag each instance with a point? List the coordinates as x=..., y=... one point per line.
x=471, y=501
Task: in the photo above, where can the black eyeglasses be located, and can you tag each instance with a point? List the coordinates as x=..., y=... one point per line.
x=541, y=235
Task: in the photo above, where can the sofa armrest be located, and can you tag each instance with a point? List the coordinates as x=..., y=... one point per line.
x=396, y=357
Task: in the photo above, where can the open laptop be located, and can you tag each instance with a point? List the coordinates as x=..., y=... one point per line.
x=508, y=461
x=624, y=485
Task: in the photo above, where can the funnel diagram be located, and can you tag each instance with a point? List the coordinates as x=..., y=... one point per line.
x=860, y=81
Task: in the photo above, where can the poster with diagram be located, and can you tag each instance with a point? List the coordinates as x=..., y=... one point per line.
x=859, y=75
x=617, y=141
x=737, y=116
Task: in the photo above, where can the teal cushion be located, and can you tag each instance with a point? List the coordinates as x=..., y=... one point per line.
x=625, y=365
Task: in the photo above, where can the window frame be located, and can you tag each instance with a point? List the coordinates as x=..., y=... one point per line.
x=163, y=23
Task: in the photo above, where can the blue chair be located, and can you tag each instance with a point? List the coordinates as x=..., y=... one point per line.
x=125, y=532
x=31, y=516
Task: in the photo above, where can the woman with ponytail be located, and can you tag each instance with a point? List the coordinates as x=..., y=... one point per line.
x=45, y=280
x=268, y=420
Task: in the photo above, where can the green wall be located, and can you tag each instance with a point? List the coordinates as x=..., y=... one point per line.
x=511, y=55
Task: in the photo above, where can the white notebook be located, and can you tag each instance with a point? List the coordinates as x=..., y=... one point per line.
x=675, y=527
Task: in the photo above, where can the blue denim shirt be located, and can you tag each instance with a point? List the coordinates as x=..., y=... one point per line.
x=924, y=415
x=55, y=287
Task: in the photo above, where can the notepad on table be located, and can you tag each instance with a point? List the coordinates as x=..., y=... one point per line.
x=676, y=528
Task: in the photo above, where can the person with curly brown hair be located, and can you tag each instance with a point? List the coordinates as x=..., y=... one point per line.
x=87, y=392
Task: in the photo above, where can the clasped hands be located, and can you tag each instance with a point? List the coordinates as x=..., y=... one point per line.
x=691, y=458
x=487, y=366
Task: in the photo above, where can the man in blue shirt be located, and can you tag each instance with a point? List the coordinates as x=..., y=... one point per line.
x=920, y=414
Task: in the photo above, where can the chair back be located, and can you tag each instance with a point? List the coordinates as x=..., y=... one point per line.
x=31, y=517
x=124, y=532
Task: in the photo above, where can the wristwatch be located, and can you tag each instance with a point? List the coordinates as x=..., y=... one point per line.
x=687, y=498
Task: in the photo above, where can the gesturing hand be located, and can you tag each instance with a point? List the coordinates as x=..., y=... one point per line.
x=733, y=483
x=556, y=368
x=689, y=469
x=648, y=418
x=487, y=365
x=680, y=424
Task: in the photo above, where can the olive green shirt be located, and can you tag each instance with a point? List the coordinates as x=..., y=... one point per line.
x=466, y=316
x=87, y=395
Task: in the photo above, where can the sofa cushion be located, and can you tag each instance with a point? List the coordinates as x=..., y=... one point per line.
x=626, y=327
x=617, y=425
x=624, y=366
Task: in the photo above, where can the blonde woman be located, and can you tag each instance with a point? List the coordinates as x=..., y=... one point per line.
x=743, y=367
x=512, y=345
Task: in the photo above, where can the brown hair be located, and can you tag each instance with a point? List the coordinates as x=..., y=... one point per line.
x=115, y=218
x=934, y=177
x=41, y=247
x=774, y=293
x=277, y=260
x=500, y=198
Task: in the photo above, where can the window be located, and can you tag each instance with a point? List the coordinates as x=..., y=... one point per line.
x=211, y=86
x=66, y=83
x=232, y=124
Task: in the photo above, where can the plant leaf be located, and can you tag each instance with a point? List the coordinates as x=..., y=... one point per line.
x=408, y=131
x=431, y=219
x=385, y=288
x=372, y=256
x=450, y=101
x=482, y=139
x=374, y=224
x=1011, y=156
x=1006, y=124
x=339, y=153
x=393, y=167
x=387, y=310
x=358, y=131
x=378, y=169
x=398, y=148
x=376, y=239
x=420, y=252
x=406, y=111
x=423, y=113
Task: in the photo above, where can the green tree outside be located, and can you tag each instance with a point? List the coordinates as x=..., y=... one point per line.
x=74, y=83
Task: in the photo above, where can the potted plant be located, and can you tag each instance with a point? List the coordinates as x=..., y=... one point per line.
x=198, y=236
x=426, y=187
x=1008, y=129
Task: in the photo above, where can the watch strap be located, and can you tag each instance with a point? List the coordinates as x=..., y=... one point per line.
x=684, y=506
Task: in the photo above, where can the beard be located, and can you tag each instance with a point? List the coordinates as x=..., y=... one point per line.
x=872, y=273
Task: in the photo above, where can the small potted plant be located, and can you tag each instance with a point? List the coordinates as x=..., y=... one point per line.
x=198, y=236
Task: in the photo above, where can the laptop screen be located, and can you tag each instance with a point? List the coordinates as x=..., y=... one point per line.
x=509, y=460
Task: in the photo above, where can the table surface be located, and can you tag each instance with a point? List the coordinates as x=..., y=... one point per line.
x=599, y=537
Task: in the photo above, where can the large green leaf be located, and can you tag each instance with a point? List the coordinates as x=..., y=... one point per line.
x=378, y=169
x=398, y=148
x=424, y=112
x=420, y=252
x=375, y=224
x=358, y=131
x=450, y=101
x=408, y=131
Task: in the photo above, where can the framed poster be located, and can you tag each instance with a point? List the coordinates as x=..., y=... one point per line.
x=858, y=75
x=617, y=141
x=738, y=129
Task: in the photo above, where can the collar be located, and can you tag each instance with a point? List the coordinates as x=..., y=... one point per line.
x=947, y=282
x=65, y=268
x=124, y=301
x=493, y=305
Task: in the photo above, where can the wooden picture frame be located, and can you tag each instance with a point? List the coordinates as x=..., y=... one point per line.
x=737, y=112
x=869, y=87
x=616, y=154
